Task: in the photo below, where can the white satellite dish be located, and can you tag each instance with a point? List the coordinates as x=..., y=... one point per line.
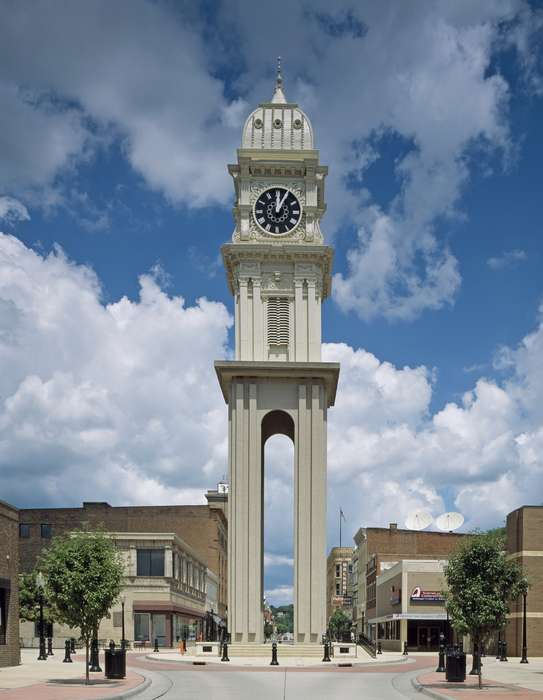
x=449, y=521
x=418, y=520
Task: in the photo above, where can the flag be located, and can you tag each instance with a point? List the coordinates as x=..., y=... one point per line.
x=342, y=515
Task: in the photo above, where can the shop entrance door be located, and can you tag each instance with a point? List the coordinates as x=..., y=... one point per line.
x=423, y=637
x=159, y=629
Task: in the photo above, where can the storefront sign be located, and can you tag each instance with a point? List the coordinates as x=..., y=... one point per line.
x=420, y=596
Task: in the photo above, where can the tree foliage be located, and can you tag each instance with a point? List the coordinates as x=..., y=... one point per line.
x=29, y=601
x=339, y=622
x=83, y=572
x=481, y=582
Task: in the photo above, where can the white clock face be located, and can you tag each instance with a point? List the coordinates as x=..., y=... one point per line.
x=277, y=211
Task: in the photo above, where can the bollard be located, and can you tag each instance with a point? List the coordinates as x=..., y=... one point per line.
x=225, y=652
x=95, y=658
x=503, y=657
x=155, y=650
x=50, y=646
x=326, y=656
x=72, y=645
x=441, y=663
x=274, y=661
x=404, y=649
x=67, y=651
x=379, y=648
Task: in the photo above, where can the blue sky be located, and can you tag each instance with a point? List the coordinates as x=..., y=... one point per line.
x=116, y=131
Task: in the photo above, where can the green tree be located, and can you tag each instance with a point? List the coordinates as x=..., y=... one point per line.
x=339, y=622
x=481, y=582
x=29, y=600
x=83, y=573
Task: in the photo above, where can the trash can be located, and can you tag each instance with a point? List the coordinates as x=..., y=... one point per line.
x=115, y=663
x=456, y=666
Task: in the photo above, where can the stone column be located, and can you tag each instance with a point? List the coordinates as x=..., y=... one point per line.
x=310, y=514
x=245, y=516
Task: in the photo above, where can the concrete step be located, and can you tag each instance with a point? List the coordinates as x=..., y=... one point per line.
x=283, y=650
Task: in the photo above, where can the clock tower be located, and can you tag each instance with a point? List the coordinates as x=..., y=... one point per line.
x=279, y=272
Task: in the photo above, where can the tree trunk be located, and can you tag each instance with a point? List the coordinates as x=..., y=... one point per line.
x=86, y=661
x=480, y=665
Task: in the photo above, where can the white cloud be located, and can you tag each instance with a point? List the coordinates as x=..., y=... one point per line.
x=425, y=79
x=277, y=560
x=12, y=211
x=508, y=258
x=282, y=595
x=119, y=402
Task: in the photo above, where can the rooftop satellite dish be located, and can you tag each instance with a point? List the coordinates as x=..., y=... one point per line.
x=449, y=521
x=418, y=520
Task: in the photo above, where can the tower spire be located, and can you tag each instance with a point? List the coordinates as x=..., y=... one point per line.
x=278, y=94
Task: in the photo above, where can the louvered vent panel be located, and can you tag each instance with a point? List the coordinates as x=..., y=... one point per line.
x=278, y=321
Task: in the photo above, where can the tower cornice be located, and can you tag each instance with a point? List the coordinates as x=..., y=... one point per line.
x=321, y=255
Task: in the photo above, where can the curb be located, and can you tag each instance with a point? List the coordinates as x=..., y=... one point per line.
x=426, y=691
x=233, y=664
x=131, y=692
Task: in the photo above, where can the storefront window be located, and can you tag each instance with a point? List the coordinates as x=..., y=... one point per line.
x=141, y=627
x=186, y=627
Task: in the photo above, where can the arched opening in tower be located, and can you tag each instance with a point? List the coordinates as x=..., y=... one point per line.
x=278, y=509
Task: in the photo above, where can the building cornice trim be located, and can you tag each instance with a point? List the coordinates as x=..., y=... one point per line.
x=328, y=372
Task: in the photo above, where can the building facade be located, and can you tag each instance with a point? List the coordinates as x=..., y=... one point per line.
x=379, y=549
x=339, y=575
x=279, y=273
x=204, y=529
x=9, y=588
x=410, y=606
x=163, y=598
x=525, y=546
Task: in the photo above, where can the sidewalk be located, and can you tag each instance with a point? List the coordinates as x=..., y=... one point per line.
x=54, y=680
x=501, y=680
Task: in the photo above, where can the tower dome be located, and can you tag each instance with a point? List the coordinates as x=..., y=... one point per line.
x=278, y=125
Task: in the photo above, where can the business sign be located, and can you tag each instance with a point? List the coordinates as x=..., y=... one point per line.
x=420, y=596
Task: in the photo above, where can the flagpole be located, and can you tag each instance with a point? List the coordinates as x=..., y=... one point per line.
x=340, y=527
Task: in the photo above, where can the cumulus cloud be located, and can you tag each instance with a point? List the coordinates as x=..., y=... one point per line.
x=149, y=87
x=508, y=258
x=12, y=211
x=174, y=95
x=98, y=395
x=119, y=402
x=282, y=595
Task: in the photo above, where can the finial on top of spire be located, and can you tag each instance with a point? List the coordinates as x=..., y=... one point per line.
x=278, y=94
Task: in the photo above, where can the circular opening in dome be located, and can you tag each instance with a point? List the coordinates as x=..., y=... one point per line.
x=297, y=123
x=258, y=123
x=277, y=123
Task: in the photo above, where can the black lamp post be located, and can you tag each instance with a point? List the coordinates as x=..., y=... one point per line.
x=123, y=640
x=40, y=583
x=524, y=659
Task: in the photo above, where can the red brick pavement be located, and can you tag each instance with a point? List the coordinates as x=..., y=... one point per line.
x=73, y=688
x=469, y=690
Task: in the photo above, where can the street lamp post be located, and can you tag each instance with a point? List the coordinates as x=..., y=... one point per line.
x=524, y=659
x=123, y=640
x=40, y=583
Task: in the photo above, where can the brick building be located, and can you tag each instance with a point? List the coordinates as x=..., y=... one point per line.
x=9, y=589
x=525, y=545
x=380, y=548
x=204, y=528
x=338, y=580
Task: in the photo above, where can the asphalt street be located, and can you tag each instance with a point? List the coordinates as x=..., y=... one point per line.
x=278, y=685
